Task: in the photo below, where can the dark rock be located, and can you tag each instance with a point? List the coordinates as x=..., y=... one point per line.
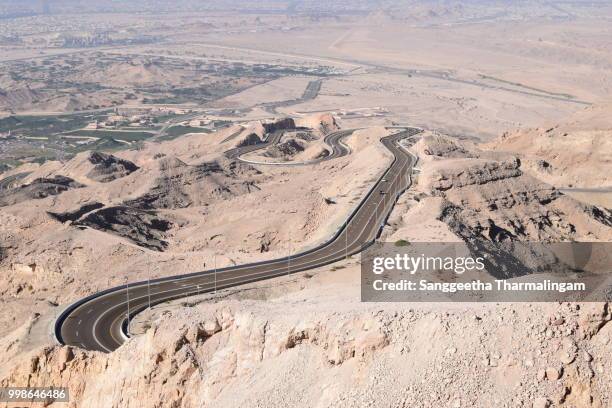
x=283, y=124
x=250, y=140
x=144, y=228
x=108, y=168
x=75, y=215
x=38, y=189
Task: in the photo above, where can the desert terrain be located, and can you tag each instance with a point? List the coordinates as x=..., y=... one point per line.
x=119, y=132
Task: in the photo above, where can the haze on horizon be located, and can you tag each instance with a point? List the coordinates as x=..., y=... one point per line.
x=17, y=8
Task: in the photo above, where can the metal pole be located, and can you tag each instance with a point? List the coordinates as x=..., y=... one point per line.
x=215, y=263
x=198, y=285
x=346, y=239
x=127, y=294
x=375, y=223
x=384, y=201
x=398, y=187
x=149, y=284
x=376, y=213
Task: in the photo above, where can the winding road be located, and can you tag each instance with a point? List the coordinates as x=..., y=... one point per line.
x=8, y=182
x=100, y=321
x=333, y=140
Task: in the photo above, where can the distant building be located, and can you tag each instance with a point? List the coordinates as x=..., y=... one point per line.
x=116, y=119
x=199, y=122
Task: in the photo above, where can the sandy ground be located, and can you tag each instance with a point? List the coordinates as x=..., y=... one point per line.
x=601, y=199
x=283, y=89
x=574, y=154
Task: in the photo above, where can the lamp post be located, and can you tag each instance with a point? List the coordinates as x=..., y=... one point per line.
x=149, y=284
x=127, y=294
x=289, y=260
x=215, y=266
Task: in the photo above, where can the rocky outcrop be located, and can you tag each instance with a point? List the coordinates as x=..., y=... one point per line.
x=283, y=124
x=38, y=189
x=76, y=214
x=285, y=149
x=471, y=172
x=491, y=198
x=108, y=167
x=488, y=201
x=574, y=153
x=192, y=364
x=234, y=354
x=441, y=146
x=144, y=228
x=328, y=124
x=249, y=140
x=180, y=185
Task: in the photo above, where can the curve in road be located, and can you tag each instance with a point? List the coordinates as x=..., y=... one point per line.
x=101, y=321
x=336, y=149
x=8, y=182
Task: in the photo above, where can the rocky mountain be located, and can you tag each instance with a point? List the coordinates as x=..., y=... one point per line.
x=180, y=185
x=108, y=167
x=576, y=153
x=489, y=195
x=486, y=200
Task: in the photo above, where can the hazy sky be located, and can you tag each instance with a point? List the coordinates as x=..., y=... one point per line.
x=71, y=6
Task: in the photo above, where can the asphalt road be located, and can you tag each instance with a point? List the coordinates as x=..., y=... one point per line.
x=8, y=182
x=333, y=140
x=100, y=322
x=272, y=139
x=311, y=92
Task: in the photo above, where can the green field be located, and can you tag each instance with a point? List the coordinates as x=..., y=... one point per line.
x=42, y=138
x=37, y=126
x=8, y=164
x=110, y=134
x=178, y=131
